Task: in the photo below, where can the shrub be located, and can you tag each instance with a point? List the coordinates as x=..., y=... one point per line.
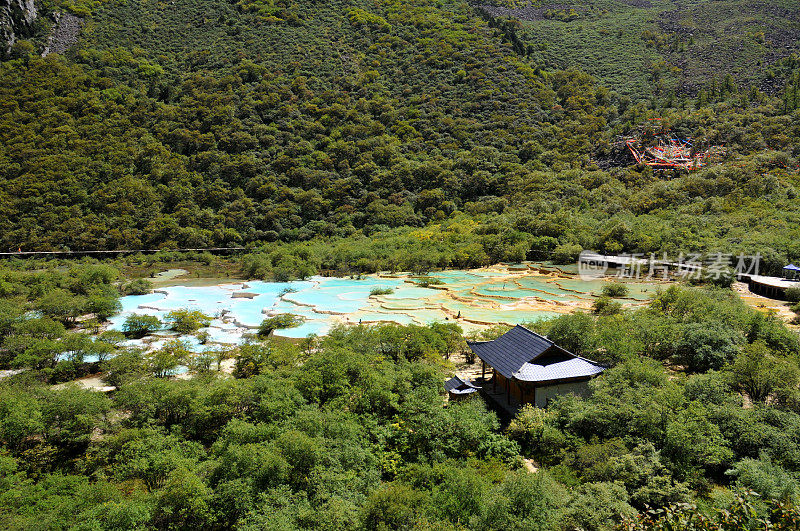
x=606, y=306
x=187, y=321
x=533, y=429
x=721, y=279
x=574, y=332
x=793, y=294
x=525, y=501
x=381, y=291
x=103, y=306
x=425, y=282
x=615, y=290
x=566, y=253
x=137, y=325
x=708, y=345
x=279, y=322
x=765, y=477
x=139, y=286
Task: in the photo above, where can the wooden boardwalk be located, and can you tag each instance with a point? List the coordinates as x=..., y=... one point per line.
x=66, y=254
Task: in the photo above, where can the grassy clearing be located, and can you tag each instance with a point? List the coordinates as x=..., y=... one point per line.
x=647, y=48
x=606, y=44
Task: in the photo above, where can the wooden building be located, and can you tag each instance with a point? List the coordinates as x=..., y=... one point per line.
x=458, y=388
x=532, y=369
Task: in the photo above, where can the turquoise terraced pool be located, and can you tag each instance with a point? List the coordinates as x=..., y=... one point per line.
x=474, y=299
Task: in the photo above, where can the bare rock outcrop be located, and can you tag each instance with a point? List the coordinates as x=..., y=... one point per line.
x=65, y=33
x=16, y=20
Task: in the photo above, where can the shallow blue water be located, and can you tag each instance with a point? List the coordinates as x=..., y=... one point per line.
x=483, y=296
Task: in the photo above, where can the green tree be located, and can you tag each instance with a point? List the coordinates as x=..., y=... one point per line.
x=103, y=306
x=20, y=418
x=138, y=286
x=279, y=322
x=137, y=325
x=759, y=372
x=164, y=361
x=605, y=305
x=708, y=345
x=615, y=290
x=524, y=501
x=598, y=506
x=692, y=441
x=62, y=305
x=125, y=364
x=566, y=253
x=70, y=416
x=185, y=321
x=392, y=507
x=574, y=332
x=184, y=502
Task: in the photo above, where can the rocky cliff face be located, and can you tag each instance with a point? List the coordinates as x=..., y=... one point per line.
x=16, y=20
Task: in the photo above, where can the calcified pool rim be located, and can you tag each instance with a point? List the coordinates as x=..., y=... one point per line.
x=475, y=299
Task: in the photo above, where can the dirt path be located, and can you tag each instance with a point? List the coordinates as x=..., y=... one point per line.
x=92, y=383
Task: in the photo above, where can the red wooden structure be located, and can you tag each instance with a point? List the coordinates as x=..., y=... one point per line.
x=663, y=152
x=654, y=146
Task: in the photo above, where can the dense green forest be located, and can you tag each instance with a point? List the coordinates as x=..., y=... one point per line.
x=212, y=123
x=697, y=419
x=367, y=135
x=661, y=48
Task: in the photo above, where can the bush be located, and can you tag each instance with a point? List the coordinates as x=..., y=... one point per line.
x=606, y=306
x=62, y=305
x=615, y=290
x=279, y=322
x=392, y=507
x=164, y=361
x=566, y=253
x=139, y=286
x=525, y=501
x=381, y=291
x=721, y=279
x=425, y=282
x=137, y=326
x=103, y=306
x=793, y=294
x=708, y=345
x=766, y=478
x=574, y=332
x=598, y=506
x=186, y=321
x=533, y=429
x=759, y=373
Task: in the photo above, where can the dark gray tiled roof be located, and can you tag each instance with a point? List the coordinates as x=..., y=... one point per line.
x=514, y=354
x=459, y=386
x=509, y=352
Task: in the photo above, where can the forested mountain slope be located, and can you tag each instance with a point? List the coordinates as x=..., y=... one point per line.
x=644, y=48
x=218, y=125
x=214, y=123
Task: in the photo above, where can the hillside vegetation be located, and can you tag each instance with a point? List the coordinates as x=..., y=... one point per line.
x=351, y=431
x=210, y=123
x=365, y=135
x=645, y=49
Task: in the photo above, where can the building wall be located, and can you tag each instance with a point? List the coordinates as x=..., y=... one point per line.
x=544, y=394
x=516, y=392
